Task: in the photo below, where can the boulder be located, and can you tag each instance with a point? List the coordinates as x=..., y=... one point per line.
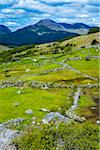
x=28, y=70
x=44, y=110
x=29, y=112
x=98, y=122
x=56, y=116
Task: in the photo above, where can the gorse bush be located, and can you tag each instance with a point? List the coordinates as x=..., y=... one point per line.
x=94, y=42
x=74, y=136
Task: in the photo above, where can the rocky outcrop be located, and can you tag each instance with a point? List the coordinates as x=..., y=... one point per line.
x=7, y=135
x=70, y=115
x=55, y=116
x=71, y=112
x=46, y=85
x=12, y=122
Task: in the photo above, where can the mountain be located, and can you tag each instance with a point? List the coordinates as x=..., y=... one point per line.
x=43, y=31
x=4, y=30
x=79, y=28
x=75, y=25
x=51, y=25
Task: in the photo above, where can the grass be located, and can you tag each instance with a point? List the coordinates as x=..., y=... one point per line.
x=73, y=136
x=37, y=60
x=90, y=68
x=31, y=99
x=89, y=99
x=84, y=40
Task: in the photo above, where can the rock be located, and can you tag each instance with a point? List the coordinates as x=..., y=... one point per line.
x=87, y=58
x=19, y=92
x=83, y=118
x=16, y=104
x=44, y=87
x=35, y=60
x=33, y=123
x=11, y=122
x=98, y=122
x=75, y=58
x=93, y=108
x=74, y=117
x=28, y=70
x=44, y=110
x=6, y=137
x=56, y=116
x=29, y=112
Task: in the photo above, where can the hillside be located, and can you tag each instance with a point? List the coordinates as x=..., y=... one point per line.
x=50, y=93
x=84, y=40
x=79, y=41
x=4, y=30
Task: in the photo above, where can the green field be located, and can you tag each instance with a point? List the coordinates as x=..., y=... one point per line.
x=57, y=69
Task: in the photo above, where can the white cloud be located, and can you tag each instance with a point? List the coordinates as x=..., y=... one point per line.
x=3, y=2
x=12, y=11
x=32, y=4
x=11, y=23
x=64, y=1
x=26, y=12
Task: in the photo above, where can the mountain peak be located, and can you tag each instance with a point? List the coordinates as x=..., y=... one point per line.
x=80, y=25
x=50, y=24
x=45, y=21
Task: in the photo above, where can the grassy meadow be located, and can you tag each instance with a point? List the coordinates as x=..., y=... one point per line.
x=64, y=67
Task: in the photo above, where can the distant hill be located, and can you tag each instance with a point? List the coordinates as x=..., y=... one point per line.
x=79, y=41
x=4, y=48
x=75, y=26
x=4, y=30
x=79, y=28
x=42, y=32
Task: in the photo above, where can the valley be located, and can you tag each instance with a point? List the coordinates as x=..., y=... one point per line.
x=50, y=86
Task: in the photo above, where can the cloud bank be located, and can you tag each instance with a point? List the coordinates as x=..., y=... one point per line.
x=20, y=13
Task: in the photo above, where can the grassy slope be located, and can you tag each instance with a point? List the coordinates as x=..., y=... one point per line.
x=46, y=62
x=13, y=105
x=84, y=40
x=3, y=48
x=34, y=99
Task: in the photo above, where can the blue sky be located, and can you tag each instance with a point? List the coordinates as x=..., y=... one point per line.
x=20, y=13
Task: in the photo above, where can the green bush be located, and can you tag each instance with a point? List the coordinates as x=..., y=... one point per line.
x=74, y=136
x=94, y=42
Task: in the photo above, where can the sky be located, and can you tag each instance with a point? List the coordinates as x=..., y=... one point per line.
x=20, y=13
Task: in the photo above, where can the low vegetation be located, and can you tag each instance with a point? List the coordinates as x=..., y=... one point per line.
x=74, y=136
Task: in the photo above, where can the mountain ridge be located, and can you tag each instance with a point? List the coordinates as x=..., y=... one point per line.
x=43, y=31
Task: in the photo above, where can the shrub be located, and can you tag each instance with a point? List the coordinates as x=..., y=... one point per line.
x=74, y=136
x=94, y=42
